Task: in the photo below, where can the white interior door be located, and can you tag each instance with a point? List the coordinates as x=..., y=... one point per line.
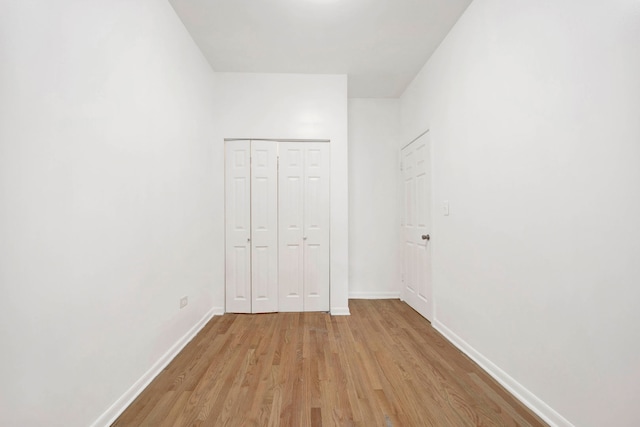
x=238, y=226
x=416, y=168
x=264, y=226
x=304, y=226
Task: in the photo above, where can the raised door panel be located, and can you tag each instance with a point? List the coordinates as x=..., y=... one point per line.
x=238, y=226
x=264, y=226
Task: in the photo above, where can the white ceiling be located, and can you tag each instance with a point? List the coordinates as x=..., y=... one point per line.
x=380, y=44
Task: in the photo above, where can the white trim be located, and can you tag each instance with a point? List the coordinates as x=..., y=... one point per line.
x=216, y=311
x=533, y=402
x=415, y=139
x=340, y=311
x=123, y=402
x=276, y=140
x=374, y=295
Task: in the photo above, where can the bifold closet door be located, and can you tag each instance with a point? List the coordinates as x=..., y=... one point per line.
x=264, y=226
x=304, y=226
x=238, y=226
x=251, y=209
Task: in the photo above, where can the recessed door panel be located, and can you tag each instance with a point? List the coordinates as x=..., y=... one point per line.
x=312, y=271
x=261, y=281
x=238, y=272
x=291, y=278
x=260, y=204
x=292, y=213
x=241, y=210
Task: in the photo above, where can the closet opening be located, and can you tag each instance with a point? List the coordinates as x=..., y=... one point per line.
x=277, y=231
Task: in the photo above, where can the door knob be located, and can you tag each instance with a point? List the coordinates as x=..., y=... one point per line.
x=426, y=237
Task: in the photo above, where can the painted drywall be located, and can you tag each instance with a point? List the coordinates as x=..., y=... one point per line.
x=106, y=220
x=290, y=106
x=374, y=216
x=534, y=111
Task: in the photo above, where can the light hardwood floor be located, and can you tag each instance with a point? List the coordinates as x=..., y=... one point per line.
x=382, y=366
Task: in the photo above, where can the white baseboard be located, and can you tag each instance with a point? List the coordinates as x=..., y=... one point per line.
x=114, y=411
x=340, y=311
x=544, y=411
x=374, y=295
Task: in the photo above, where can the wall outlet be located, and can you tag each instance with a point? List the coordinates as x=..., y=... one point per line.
x=184, y=301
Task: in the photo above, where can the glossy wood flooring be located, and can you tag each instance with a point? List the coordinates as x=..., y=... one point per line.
x=382, y=366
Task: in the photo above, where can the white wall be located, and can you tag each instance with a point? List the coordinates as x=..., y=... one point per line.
x=290, y=106
x=534, y=109
x=374, y=217
x=106, y=220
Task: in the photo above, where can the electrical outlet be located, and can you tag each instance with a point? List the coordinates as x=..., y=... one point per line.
x=184, y=301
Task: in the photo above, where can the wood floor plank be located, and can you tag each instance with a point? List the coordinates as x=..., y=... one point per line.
x=382, y=366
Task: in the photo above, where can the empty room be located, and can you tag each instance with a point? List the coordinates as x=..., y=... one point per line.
x=319, y=213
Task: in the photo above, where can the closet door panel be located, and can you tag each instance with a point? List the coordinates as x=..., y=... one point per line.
x=316, y=221
x=264, y=226
x=238, y=226
x=291, y=227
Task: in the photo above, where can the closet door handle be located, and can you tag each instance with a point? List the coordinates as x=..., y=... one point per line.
x=248, y=239
x=304, y=238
